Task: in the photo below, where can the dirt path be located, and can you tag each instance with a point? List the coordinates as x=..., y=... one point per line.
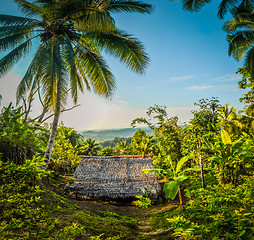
x=144, y=216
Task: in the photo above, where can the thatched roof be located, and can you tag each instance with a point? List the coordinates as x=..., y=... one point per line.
x=115, y=177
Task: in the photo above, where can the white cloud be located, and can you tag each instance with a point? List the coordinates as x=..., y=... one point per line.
x=227, y=78
x=181, y=78
x=185, y=77
x=196, y=87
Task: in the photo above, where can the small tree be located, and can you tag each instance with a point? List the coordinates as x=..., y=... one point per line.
x=65, y=157
x=89, y=148
x=176, y=174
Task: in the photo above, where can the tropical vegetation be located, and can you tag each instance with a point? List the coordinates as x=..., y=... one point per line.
x=206, y=166
x=71, y=36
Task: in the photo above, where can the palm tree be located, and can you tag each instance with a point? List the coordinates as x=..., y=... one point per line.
x=122, y=147
x=240, y=37
x=69, y=35
x=147, y=145
x=247, y=120
x=228, y=119
x=224, y=7
x=90, y=148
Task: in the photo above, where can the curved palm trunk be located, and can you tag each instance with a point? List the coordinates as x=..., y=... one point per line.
x=54, y=125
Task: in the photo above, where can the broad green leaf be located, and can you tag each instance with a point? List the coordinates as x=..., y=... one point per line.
x=225, y=137
x=180, y=178
x=170, y=189
x=241, y=233
x=161, y=171
x=180, y=164
x=195, y=169
x=151, y=170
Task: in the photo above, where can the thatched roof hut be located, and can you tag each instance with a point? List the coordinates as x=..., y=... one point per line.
x=115, y=177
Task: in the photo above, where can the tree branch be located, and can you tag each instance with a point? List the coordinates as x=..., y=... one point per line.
x=64, y=110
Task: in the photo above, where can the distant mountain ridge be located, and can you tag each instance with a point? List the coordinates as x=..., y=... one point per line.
x=109, y=134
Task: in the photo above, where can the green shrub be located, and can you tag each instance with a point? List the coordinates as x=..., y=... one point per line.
x=25, y=206
x=218, y=212
x=64, y=158
x=19, y=140
x=142, y=201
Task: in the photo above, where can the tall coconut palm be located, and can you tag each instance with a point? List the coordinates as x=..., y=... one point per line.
x=240, y=37
x=69, y=35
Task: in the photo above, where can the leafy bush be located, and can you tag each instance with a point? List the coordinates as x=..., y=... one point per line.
x=218, y=212
x=19, y=140
x=26, y=207
x=64, y=158
x=142, y=201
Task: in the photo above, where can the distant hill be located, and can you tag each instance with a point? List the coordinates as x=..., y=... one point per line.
x=109, y=134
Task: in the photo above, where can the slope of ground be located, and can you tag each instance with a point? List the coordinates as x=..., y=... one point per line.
x=114, y=219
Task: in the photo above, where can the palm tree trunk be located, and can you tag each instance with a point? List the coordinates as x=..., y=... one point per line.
x=54, y=125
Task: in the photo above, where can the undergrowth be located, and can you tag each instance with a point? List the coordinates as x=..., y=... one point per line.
x=217, y=212
x=30, y=210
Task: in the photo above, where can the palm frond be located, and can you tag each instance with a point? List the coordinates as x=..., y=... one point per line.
x=82, y=75
x=225, y=7
x=239, y=43
x=8, y=61
x=11, y=41
x=129, y=6
x=128, y=49
x=245, y=7
x=76, y=82
x=249, y=60
x=6, y=31
x=96, y=69
x=90, y=15
x=30, y=9
x=57, y=72
x=94, y=20
x=241, y=22
x=194, y=5
x=34, y=72
x=9, y=20
x=15, y=39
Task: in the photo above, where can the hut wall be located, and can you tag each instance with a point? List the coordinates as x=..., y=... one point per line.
x=114, y=178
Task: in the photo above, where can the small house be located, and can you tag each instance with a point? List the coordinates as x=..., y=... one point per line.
x=115, y=177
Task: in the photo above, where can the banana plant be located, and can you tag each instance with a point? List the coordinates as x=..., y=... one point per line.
x=175, y=174
x=231, y=156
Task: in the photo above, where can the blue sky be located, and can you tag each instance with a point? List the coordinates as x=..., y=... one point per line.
x=189, y=61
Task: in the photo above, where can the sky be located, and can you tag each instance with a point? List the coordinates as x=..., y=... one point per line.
x=188, y=61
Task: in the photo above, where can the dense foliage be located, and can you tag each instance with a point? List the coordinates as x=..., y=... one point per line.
x=207, y=162
x=210, y=157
